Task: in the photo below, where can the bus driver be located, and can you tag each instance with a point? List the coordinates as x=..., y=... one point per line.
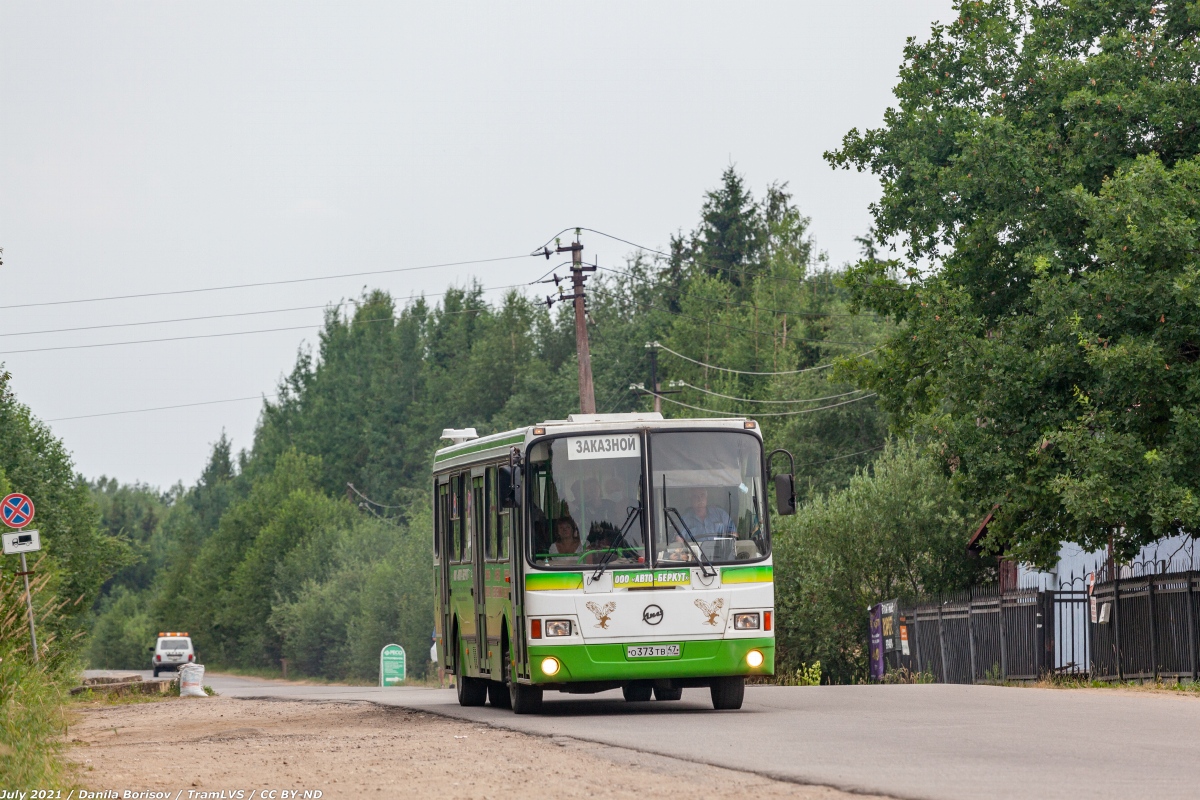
x=703, y=519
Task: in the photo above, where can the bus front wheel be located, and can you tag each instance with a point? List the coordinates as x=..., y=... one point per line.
x=637, y=692
x=663, y=691
x=727, y=693
x=525, y=699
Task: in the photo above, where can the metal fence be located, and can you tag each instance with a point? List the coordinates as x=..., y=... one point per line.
x=1134, y=623
x=977, y=636
x=1145, y=625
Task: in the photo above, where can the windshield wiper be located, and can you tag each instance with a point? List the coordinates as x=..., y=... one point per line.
x=706, y=566
x=634, y=512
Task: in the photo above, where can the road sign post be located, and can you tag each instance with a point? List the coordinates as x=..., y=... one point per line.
x=16, y=511
x=29, y=608
x=391, y=665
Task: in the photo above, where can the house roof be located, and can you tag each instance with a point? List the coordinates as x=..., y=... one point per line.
x=975, y=544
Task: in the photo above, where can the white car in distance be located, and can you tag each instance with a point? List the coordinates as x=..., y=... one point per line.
x=173, y=650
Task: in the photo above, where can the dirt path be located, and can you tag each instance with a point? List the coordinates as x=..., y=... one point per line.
x=346, y=750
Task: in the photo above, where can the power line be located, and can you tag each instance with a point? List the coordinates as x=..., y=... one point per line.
x=243, y=314
x=175, y=319
x=788, y=281
x=773, y=402
x=178, y=338
x=354, y=489
x=263, y=283
x=747, y=372
x=844, y=455
x=212, y=335
x=724, y=325
x=771, y=414
x=163, y=408
x=741, y=304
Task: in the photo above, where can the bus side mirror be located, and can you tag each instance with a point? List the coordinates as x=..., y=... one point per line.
x=507, y=488
x=785, y=494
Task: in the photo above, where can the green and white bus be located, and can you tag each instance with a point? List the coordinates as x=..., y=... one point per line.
x=605, y=551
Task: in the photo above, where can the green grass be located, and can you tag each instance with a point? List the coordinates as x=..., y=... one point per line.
x=1191, y=688
x=33, y=697
x=32, y=722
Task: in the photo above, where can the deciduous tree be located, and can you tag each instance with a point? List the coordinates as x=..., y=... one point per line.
x=1039, y=180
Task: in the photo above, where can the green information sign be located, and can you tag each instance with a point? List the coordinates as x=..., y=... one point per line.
x=391, y=665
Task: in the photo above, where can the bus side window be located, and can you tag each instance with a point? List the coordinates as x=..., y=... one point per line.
x=501, y=521
x=439, y=521
x=489, y=491
x=464, y=525
x=479, y=515
x=497, y=519
x=455, y=520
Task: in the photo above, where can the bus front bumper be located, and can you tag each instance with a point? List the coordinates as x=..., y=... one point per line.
x=708, y=658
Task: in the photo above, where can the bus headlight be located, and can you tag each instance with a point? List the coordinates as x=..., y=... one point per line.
x=550, y=665
x=754, y=658
x=745, y=622
x=558, y=627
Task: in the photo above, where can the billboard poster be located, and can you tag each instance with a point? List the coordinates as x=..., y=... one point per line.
x=890, y=622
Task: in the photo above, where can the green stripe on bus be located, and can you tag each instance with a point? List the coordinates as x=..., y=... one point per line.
x=545, y=581
x=747, y=574
x=704, y=658
x=475, y=448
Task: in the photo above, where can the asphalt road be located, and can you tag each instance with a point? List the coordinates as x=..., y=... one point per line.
x=927, y=741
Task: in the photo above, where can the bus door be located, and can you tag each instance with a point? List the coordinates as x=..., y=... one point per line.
x=516, y=532
x=441, y=554
x=478, y=506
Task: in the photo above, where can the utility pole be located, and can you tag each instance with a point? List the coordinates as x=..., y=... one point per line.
x=29, y=606
x=655, y=385
x=587, y=391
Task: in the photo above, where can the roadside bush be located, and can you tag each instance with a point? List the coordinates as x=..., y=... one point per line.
x=397, y=602
x=77, y=558
x=804, y=675
x=379, y=590
x=898, y=528
x=32, y=697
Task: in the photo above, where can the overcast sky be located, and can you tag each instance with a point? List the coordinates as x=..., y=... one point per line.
x=151, y=147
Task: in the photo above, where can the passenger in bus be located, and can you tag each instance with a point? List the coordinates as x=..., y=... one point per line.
x=566, y=538
x=593, y=506
x=703, y=519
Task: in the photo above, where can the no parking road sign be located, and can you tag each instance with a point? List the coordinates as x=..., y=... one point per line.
x=16, y=510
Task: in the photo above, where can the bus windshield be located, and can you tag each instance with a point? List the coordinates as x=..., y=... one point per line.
x=587, y=501
x=707, y=492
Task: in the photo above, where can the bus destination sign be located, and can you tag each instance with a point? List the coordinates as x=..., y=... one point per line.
x=618, y=445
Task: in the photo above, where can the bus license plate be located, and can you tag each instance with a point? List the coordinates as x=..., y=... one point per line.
x=652, y=651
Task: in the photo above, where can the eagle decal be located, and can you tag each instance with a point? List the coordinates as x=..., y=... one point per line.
x=711, y=611
x=603, y=612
